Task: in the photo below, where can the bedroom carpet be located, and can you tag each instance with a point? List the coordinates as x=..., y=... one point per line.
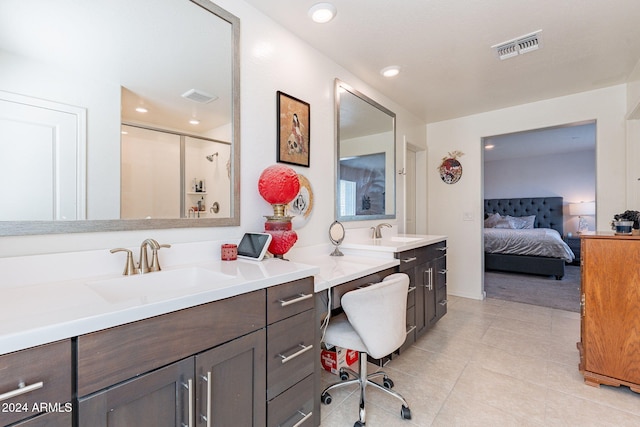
x=544, y=291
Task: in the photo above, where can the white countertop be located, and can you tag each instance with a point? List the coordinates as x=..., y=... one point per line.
x=342, y=269
x=392, y=244
x=47, y=298
x=42, y=313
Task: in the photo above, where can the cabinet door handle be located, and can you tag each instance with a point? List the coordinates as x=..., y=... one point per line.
x=296, y=299
x=22, y=389
x=305, y=417
x=429, y=272
x=189, y=387
x=411, y=289
x=208, y=379
x=443, y=271
x=304, y=349
x=443, y=302
x=409, y=259
x=443, y=248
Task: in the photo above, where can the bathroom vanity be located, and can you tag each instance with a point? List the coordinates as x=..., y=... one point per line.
x=202, y=343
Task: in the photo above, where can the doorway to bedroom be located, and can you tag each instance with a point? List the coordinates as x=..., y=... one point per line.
x=558, y=161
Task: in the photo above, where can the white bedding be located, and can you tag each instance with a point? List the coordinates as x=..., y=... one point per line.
x=544, y=242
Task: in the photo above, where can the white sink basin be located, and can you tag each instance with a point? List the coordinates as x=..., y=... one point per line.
x=404, y=239
x=160, y=283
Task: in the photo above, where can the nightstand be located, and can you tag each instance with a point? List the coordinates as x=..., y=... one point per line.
x=574, y=243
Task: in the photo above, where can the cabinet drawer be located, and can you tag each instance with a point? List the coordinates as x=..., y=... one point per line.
x=407, y=259
x=411, y=329
x=441, y=302
x=411, y=294
x=338, y=291
x=35, y=376
x=290, y=352
x=293, y=406
x=50, y=419
x=436, y=250
x=288, y=299
x=113, y=355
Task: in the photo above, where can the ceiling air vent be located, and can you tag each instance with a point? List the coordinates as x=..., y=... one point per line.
x=199, y=96
x=518, y=46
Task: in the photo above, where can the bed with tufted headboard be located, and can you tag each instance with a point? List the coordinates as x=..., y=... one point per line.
x=548, y=215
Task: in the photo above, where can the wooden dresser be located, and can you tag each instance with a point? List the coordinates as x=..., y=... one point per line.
x=610, y=310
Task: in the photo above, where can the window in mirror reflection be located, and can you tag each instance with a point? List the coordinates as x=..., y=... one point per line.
x=366, y=177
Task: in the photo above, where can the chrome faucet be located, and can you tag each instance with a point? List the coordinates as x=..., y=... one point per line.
x=377, y=230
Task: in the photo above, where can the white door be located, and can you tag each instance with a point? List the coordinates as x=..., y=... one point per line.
x=47, y=137
x=410, y=191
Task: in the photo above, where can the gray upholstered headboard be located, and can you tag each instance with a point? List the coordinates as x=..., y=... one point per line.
x=548, y=210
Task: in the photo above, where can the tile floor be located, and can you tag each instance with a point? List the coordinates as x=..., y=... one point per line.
x=491, y=363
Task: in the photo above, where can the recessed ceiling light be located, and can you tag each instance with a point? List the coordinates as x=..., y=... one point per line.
x=489, y=147
x=141, y=110
x=194, y=121
x=390, y=71
x=322, y=12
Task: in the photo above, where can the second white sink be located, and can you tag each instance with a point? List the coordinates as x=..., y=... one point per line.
x=158, y=283
x=404, y=239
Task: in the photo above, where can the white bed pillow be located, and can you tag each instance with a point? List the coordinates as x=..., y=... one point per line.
x=492, y=220
x=515, y=222
x=522, y=222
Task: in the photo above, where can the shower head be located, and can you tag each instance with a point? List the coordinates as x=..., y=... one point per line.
x=211, y=156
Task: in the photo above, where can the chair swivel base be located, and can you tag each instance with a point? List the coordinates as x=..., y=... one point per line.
x=365, y=380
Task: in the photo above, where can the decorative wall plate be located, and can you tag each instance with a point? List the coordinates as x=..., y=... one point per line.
x=451, y=169
x=302, y=205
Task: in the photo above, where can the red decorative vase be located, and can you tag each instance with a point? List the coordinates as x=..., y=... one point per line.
x=278, y=185
x=282, y=236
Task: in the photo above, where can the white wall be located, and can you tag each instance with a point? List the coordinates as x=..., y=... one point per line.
x=448, y=203
x=568, y=175
x=272, y=59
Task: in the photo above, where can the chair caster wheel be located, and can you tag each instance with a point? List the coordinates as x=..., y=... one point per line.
x=405, y=413
x=343, y=375
x=325, y=398
x=358, y=424
x=387, y=383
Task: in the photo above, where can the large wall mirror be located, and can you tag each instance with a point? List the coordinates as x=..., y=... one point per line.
x=118, y=115
x=366, y=157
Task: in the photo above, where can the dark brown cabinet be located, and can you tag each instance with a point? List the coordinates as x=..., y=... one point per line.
x=292, y=355
x=427, y=269
x=157, y=399
x=230, y=383
x=248, y=360
x=34, y=381
x=610, y=315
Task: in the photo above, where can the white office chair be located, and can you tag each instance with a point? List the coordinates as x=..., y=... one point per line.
x=373, y=323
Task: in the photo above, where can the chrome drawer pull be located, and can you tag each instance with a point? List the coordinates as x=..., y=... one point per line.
x=189, y=386
x=305, y=417
x=409, y=259
x=304, y=349
x=444, y=248
x=443, y=302
x=411, y=289
x=443, y=271
x=411, y=329
x=209, y=382
x=22, y=389
x=298, y=298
